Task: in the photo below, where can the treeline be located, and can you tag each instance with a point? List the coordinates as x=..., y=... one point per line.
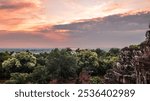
x=58, y=66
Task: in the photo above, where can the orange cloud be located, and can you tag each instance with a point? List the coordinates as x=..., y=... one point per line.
x=112, y=7
x=126, y=7
x=20, y=14
x=59, y=37
x=29, y=15
x=51, y=33
x=26, y=14
x=135, y=12
x=15, y=6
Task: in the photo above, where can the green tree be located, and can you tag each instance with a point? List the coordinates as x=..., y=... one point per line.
x=26, y=59
x=100, y=52
x=87, y=60
x=20, y=62
x=134, y=47
x=106, y=60
x=18, y=78
x=114, y=51
x=95, y=80
x=41, y=58
x=39, y=75
x=61, y=65
x=11, y=65
x=3, y=56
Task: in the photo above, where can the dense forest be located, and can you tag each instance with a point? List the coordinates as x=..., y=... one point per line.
x=58, y=66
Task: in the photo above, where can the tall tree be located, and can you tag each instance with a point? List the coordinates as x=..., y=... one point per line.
x=61, y=65
x=87, y=60
x=20, y=62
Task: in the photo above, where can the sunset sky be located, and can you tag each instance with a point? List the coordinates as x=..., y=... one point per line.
x=73, y=23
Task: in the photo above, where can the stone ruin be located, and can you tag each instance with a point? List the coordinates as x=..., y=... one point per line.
x=133, y=66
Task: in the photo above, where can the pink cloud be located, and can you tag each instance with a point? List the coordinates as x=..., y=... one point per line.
x=15, y=6
x=51, y=33
x=19, y=14
x=29, y=22
x=33, y=39
x=112, y=7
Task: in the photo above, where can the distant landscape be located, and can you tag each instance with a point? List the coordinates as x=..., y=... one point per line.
x=79, y=66
x=74, y=42
x=32, y=50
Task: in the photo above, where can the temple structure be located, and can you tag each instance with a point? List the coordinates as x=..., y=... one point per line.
x=133, y=65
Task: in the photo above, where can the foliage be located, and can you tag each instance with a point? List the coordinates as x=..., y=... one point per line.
x=18, y=78
x=104, y=66
x=134, y=46
x=39, y=75
x=61, y=65
x=11, y=64
x=87, y=59
x=20, y=62
x=3, y=56
x=107, y=60
x=114, y=51
x=100, y=52
x=41, y=58
x=26, y=59
x=95, y=80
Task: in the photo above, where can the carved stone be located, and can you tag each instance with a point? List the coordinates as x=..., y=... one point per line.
x=133, y=66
